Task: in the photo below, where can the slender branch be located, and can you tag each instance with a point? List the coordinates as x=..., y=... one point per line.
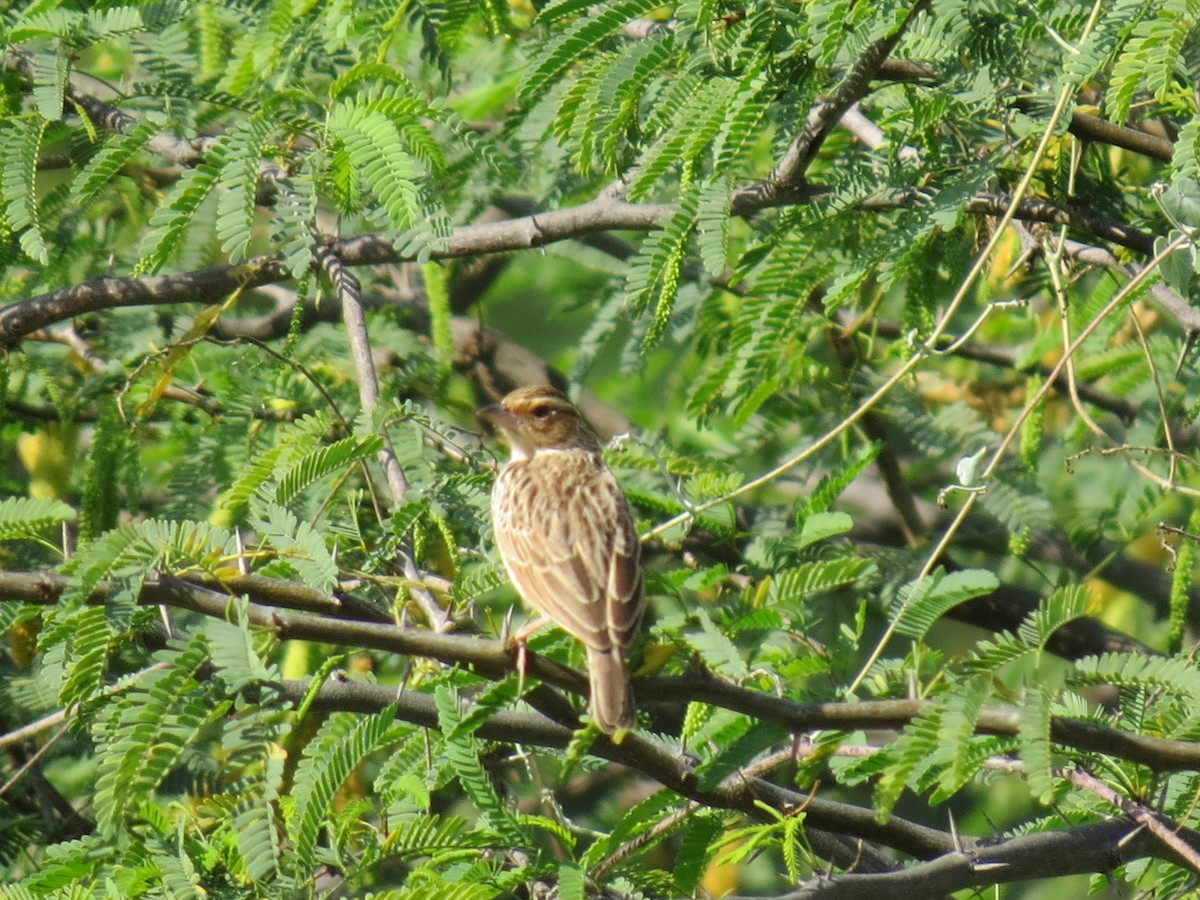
x=1015, y=429
x=1170, y=833
x=1005, y=608
x=349, y=291
x=493, y=360
x=587, y=220
x=740, y=791
x=906, y=70
x=1174, y=305
x=1102, y=559
x=1005, y=358
x=1093, y=128
x=29, y=764
x=46, y=722
x=788, y=174
x=898, y=491
x=494, y=659
x=1032, y=209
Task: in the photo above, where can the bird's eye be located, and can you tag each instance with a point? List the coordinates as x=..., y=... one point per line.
x=540, y=412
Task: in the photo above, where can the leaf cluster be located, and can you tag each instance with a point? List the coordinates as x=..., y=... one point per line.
x=901, y=293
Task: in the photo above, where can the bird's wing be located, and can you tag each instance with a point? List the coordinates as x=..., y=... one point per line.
x=567, y=540
x=625, y=599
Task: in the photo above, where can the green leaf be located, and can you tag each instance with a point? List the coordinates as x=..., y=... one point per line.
x=822, y=526
x=654, y=275
x=1034, y=748
x=909, y=754
x=50, y=81
x=337, y=749
x=638, y=821
x=712, y=224
x=142, y=737
x=571, y=882
x=170, y=223
x=317, y=464
x=19, y=147
x=956, y=735
x=1061, y=607
x=301, y=545
x=463, y=756
x=242, y=148
x=88, y=646
x=438, y=300
x=22, y=518
x=921, y=603
x=1129, y=670
x=131, y=552
x=566, y=48
x=793, y=586
x=718, y=651
x=738, y=752
x=696, y=849
x=830, y=487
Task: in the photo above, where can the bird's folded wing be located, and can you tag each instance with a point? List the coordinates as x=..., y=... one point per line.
x=571, y=550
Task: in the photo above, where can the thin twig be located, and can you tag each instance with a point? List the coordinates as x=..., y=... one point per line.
x=350, y=293
x=1166, y=832
x=960, y=295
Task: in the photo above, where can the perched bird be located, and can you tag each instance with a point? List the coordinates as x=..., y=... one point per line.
x=567, y=539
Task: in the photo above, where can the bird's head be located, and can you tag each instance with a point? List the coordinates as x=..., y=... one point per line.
x=539, y=418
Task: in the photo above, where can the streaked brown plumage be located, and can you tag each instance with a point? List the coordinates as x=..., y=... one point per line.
x=567, y=539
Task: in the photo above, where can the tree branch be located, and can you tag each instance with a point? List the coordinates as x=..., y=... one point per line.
x=737, y=792
x=1171, y=834
x=349, y=291
x=955, y=862
x=997, y=356
x=1032, y=209
x=591, y=218
x=494, y=660
x=1093, y=128
x=19, y=320
x=1100, y=847
x=788, y=174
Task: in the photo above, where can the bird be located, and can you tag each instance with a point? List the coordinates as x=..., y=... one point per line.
x=567, y=540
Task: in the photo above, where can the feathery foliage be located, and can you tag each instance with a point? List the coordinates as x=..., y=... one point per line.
x=894, y=304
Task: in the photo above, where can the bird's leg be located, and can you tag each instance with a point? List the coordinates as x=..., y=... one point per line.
x=519, y=639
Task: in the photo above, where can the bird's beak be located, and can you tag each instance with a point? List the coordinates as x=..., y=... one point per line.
x=499, y=417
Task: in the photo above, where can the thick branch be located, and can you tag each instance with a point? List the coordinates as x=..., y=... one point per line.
x=1035, y=210
x=205, y=286
x=1093, y=128
x=955, y=863
x=1049, y=854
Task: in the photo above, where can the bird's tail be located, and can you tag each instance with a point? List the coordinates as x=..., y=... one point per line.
x=612, y=697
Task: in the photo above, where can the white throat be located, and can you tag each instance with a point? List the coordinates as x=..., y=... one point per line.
x=521, y=453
